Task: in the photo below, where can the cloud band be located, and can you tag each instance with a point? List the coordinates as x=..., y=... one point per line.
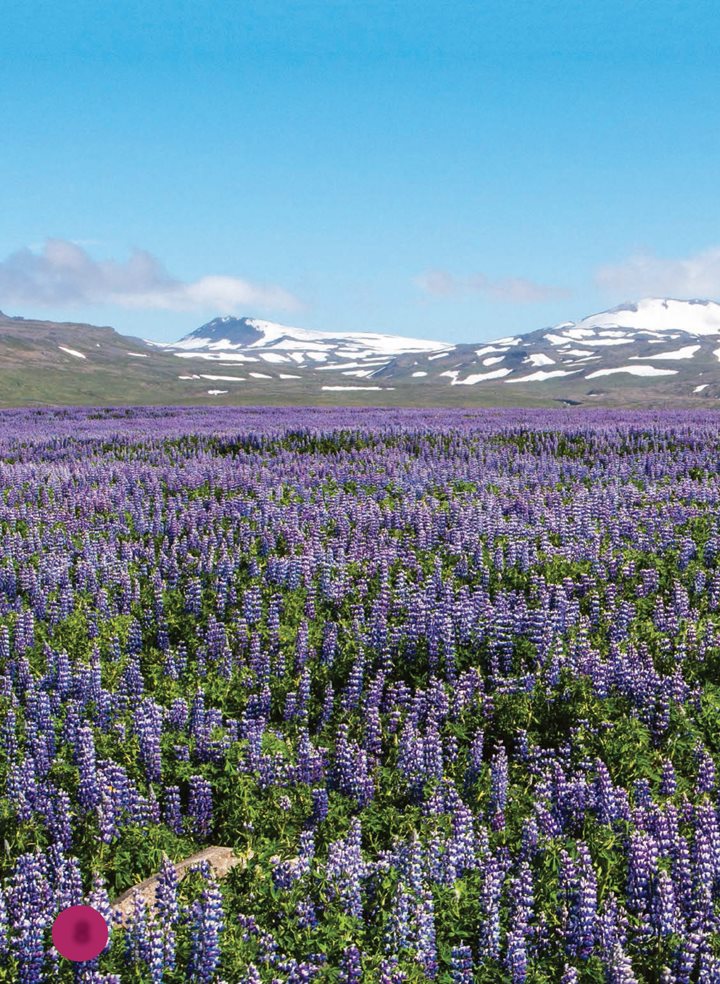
x=64, y=273
x=513, y=290
x=647, y=275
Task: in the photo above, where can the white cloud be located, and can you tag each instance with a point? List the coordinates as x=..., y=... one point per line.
x=64, y=273
x=514, y=290
x=437, y=282
x=645, y=274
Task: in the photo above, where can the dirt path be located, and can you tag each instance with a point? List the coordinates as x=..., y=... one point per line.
x=220, y=859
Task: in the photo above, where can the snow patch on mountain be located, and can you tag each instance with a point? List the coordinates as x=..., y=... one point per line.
x=480, y=377
x=541, y=375
x=222, y=379
x=633, y=370
x=695, y=317
x=687, y=352
x=490, y=348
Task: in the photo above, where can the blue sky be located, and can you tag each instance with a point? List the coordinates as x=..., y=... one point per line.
x=457, y=170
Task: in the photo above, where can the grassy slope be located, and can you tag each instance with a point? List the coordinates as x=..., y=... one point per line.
x=105, y=386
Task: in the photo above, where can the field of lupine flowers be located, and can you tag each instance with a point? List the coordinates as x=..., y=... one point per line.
x=449, y=681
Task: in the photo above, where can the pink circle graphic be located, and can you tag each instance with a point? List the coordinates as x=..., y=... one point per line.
x=80, y=933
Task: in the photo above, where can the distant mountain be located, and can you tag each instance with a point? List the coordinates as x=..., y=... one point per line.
x=658, y=340
x=48, y=362
x=656, y=352
x=242, y=339
x=51, y=344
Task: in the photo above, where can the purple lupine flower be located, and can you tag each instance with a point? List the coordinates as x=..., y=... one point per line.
x=642, y=793
x=709, y=971
x=64, y=877
x=706, y=853
x=397, y=931
x=306, y=913
x=351, y=773
x=99, y=899
x=328, y=706
x=193, y=596
x=88, y=792
x=57, y=816
x=664, y=907
x=252, y=605
x=177, y=715
x=22, y=788
x=167, y=910
x=521, y=900
x=620, y=969
x=350, y=966
x=668, y=782
x=642, y=857
x=461, y=965
x=8, y=734
x=390, y=973
x=570, y=975
x=353, y=689
x=138, y=948
x=705, y=782
x=5, y=648
x=171, y=811
x=425, y=945
x=530, y=838
x=30, y=911
x=147, y=725
x=320, y=804
x=582, y=908
x=462, y=845
x=206, y=926
x=329, y=643
x=612, y=925
x=347, y=870
x=516, y=958
x=200, y=804
x=433, y=757
x=686, y=955
x=133, y=683
x=156, y=952
x=4, y=926
x=494, y=870
x=606, y=795
x=373, y=732
x=410, y=760
x=498, y=787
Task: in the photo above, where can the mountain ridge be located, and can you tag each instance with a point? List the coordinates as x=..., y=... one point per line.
x=655, y=351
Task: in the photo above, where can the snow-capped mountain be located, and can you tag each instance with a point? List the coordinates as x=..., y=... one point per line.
x=656, y=317
x=246, y=340
x=651, y=338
